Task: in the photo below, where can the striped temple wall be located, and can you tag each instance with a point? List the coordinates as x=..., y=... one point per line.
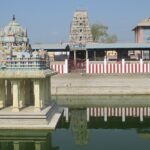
x=118, y=67
x=118, y=112
x=105, y=67
x=60, y=67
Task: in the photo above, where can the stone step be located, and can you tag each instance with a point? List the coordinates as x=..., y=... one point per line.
x=46, y=119
x=54, y=120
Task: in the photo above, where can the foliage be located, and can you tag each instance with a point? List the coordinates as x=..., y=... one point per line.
x=112, y=39
x=100, y=34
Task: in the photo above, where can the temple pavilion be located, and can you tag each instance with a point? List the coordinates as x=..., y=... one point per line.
x=25, y=83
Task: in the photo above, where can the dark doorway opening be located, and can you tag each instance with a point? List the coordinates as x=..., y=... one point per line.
x=77, y=61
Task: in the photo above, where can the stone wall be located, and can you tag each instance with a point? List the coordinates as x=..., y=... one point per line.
x=115, y=84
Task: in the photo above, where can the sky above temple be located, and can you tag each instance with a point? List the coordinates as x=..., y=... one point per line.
x=48, y=21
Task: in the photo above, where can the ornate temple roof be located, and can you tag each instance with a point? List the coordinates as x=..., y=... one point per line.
x=13, y=32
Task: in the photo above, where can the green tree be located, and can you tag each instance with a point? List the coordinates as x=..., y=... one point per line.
x=111, y=39
x=100, y=34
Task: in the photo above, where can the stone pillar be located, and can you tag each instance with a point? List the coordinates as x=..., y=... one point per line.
x=2, y=94
x=75, y=57
x=15, y=91
x=36, y=85
x=39, y=94
x=21, y=93
x=18, y=90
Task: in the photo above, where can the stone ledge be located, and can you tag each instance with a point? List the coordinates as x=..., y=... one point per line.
x=46, y=119
x=19, y=74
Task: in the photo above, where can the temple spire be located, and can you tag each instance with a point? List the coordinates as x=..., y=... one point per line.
x=13, y=18
x=80, y=31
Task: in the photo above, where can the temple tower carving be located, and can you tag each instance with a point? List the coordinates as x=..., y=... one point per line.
x=80, y=31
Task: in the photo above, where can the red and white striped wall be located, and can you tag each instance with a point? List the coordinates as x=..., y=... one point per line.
x=58, y=68
x=61, y=68
x=118, y=67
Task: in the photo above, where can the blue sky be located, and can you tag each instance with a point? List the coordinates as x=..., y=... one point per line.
x=48, y=21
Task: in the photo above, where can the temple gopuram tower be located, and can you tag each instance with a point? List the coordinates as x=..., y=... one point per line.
x=80, y=31
x=80, y=35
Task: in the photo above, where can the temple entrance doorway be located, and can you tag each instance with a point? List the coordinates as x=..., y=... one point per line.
x=77, y=61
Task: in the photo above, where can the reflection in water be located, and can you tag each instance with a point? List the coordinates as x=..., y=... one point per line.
x=144, y=133
x=25, y=140
x=108, y=112
x=123, y=112
x=105, y=118
x=78, y=125
x=109, y=124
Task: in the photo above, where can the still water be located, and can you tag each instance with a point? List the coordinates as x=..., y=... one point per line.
x=90, y=123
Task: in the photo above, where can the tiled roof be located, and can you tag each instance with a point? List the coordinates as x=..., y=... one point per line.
x=136, y=46
x=92, y=46
x=144, y=23
x=49, y=46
